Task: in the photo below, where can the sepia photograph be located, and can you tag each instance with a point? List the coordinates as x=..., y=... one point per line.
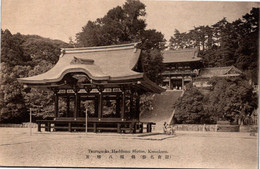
x=129, y=84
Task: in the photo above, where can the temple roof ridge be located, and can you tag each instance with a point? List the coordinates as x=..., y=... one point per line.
x=220, y=71
x=99, y=48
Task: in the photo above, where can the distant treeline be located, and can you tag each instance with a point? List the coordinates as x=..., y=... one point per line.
x=23, y=56
x=225, y=43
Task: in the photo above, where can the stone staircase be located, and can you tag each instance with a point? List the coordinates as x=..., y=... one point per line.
x=162, y=109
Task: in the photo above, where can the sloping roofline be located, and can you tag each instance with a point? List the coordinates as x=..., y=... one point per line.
x=181, y=55
x=106, y=64
x=98, y=48
x=219, y=72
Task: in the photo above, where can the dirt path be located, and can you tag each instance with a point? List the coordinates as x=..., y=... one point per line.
x=185, y=149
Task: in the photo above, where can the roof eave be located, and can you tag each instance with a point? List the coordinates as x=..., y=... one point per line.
x=71, y=70
x=197, y=60
x=152, y=86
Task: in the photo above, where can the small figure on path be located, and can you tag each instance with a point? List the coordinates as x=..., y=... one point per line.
x=168, y=129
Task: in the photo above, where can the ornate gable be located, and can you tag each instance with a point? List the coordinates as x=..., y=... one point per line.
x=233, y=70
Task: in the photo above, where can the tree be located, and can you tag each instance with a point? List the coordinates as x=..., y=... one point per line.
x=176, y=42
x=152, y=40
x=229, y=98
x=123, y=25
x=23, y=56
x=119, y=25
x=44, y=54
x=12, y=103
x=11, y=50
x=247, y=48
x=153, y=66
x=189, y=108
x=152, y=43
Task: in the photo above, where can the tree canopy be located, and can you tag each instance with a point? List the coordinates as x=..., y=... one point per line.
x=23, y=56
x=120, y=25
x=228, y=99
x=225, y=43
x=124, y=25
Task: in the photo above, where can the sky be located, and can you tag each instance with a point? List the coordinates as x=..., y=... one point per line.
x=61, y=19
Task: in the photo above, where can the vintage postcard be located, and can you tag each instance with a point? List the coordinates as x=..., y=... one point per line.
x=129, y=84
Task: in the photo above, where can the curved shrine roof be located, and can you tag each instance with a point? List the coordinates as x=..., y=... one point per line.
x=181, y=55
x=99, y=63
x=227, y=71
x=104, y=63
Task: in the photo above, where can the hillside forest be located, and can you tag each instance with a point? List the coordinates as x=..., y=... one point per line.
x=221, y=44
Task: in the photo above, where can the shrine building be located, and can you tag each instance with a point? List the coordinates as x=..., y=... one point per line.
x=202, y=81
x=181, y=67
x=101, y=88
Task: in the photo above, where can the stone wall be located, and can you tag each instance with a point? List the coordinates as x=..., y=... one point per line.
x=24, y=125
x=195, y=127
x=213, y=127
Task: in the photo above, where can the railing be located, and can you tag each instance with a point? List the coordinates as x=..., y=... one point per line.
x=95, y=125
x=179, y=73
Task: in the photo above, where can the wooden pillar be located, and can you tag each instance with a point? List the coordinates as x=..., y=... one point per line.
x=131, y=127
x=68, y=106
x=49, y=126
x=182, y=82
x=76, y=104
x=100, y=102
x=96, y=105
x=95, y=127
x=149, y=128
x=117, y=105
x=141, y=128
x=123, y=107
x=118, y=127
x=170, y=82
x=56, y=104
x=39, y=126
x=69, y=127
x=79, y=110
x=131, y=105
x=137, y=111
x=100, y=105
x=46, y=126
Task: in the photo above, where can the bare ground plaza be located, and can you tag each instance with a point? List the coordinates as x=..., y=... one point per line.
x=184, y=149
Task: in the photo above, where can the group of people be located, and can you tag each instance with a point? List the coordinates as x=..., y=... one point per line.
x=168, y=129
